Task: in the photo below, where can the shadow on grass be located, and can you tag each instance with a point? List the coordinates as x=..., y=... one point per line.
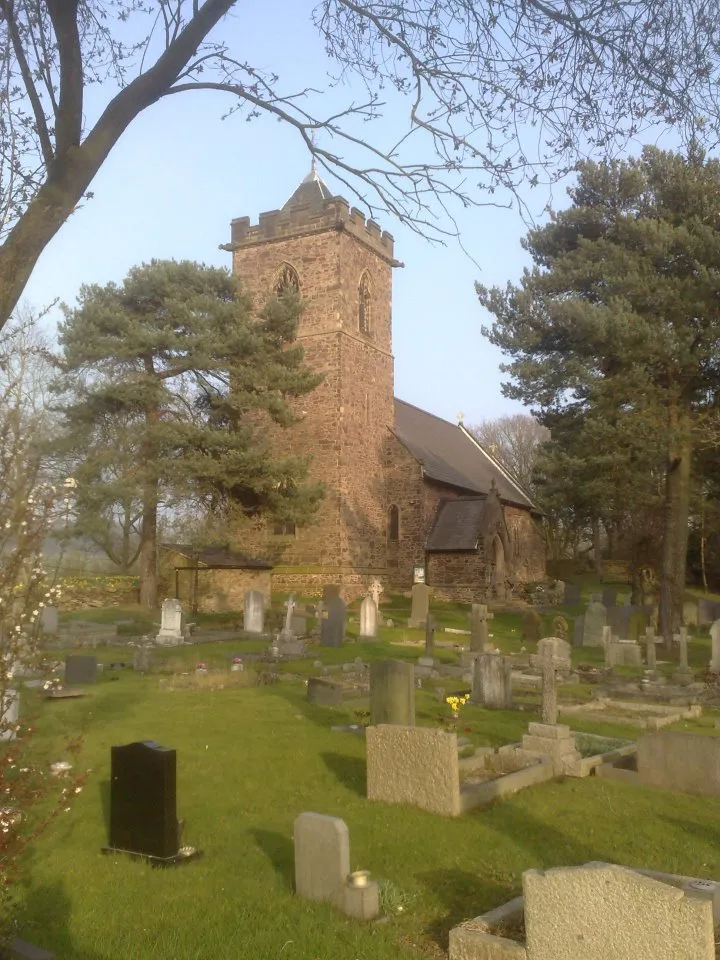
x=44, y=920
x=280, y=852
x=464, y=895
x=350, y=771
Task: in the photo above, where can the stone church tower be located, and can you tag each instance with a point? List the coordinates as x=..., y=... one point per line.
x=342, y=267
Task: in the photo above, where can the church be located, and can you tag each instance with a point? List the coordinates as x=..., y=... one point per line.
x=409, y=497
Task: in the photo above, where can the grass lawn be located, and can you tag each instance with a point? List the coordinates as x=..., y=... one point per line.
x=251, y=759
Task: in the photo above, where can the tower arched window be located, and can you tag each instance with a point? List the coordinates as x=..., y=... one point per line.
x=288, y=280
x=394, y=524
x=365, y=305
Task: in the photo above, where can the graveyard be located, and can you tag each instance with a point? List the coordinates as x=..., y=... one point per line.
x=253, y=753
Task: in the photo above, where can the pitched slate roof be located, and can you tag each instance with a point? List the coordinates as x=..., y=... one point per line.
x=312, y=193
x=449, y=454
x=217, y=557
x=457, y=525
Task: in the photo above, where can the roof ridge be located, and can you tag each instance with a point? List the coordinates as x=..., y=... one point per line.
x=427, y=413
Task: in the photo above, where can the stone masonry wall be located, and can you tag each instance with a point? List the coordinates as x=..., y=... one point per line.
x=528, y=545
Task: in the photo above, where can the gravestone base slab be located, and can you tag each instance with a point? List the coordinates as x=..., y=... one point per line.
x=683, y=677
x=183, y=856
x=554, y=741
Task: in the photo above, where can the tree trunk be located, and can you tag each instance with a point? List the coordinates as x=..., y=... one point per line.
x=703, y=568
x=597, y=550
x=148, y=547
x=676, y=517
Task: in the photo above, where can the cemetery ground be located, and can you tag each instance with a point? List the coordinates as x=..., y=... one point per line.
x=251, y=757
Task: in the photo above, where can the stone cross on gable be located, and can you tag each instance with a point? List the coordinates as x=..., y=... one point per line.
x=549, y=707
x=374, y=591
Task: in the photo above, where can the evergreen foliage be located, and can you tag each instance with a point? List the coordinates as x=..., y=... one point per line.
x=616, y=332
x=172, y=387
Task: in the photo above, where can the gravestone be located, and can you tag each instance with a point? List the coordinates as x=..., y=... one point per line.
x=254, y=612
x=650, y=652
x=368, y=619
x=9, y=714
x=609, y=596
x=683, y=675
x=690, y=613
x=558, y=649
x=375, y=590
x=50, y=621
x=578, y=630
x=330, y=590
x=143, y=802
x=479, y=624
x=287, y=632
x=572, y=595
x=420, y=604
x=676, y=760
x=324, y=693
x=619, y=620
x=715, y=637
x=332, y=627
x=601, y=911
x=141, y=659
x=595, y=620
x=492, y=681
x=392, y=692
x=322, y=856
x=298, y=625
x=171, y=624
x=80, y=669
x=560, y=627
x=707, y=611
x=531, y=627
x=549, y=703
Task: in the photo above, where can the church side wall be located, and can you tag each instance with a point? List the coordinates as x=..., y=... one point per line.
x=405, y=491
x=458, y=576
x=528, y=545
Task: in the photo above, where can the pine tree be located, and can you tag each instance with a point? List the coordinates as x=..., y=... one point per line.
x=176, y=367
x=621, y=313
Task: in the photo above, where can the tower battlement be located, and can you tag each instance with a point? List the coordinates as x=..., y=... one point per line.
x=302, y=219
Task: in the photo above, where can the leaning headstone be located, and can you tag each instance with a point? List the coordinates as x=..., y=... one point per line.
x=254, y=612
x=50, y=621
x=143, y=803
x=368, y=619
x=332, y=628
x=80, y=669
x=595, y=620
x=715, y=637
x=172, y=624
x=531, y=627
x=9, y=714
x=633, y=917
x=420, y=604
x=392, y=692
x=572, y=595
x=324, y=693
x=322, y=867
x=492, y=681
x=479, y=623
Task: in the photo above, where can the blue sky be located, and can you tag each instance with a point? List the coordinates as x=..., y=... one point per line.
x=180, y=174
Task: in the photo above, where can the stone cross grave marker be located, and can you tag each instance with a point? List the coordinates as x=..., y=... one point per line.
x=375, y=590
x=549, y=706
x=492, y=681
x=715, y=637
x=650, y=651
x=392, y=692
x=332, y=628
x=254, y=611
x=143, y=802
x=420, y=605
x=683, y=674
x=479, y=627
x=80, y=669
x=286, y=633
x=368, y=618
x=430, y=637
x=171, y=624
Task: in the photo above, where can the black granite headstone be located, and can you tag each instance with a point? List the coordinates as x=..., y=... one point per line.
x=332, y=629
x=609, y=596
x=143, y=800
x=80, y=669
x=572, y=595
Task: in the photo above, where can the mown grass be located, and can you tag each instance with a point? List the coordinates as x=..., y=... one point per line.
x=251, y=759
